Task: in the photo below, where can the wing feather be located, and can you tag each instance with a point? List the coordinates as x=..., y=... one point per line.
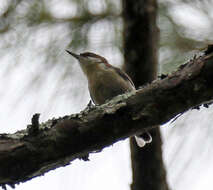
x=124, y=76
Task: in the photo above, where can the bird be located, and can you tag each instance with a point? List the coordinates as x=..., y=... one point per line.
x=106, y=81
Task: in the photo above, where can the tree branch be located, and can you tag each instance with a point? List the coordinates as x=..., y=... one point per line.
x=25, y=155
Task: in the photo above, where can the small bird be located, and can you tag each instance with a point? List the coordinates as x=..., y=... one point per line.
x=105, y=82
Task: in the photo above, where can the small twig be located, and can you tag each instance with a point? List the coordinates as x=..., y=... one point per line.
x=34, y=127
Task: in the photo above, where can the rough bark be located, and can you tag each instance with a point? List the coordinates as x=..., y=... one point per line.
x=43, y=147
x=140, y=52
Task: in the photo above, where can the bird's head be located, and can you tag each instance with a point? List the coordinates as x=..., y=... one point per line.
x=90, y=60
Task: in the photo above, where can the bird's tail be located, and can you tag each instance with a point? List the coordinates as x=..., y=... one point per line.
x=143, y=139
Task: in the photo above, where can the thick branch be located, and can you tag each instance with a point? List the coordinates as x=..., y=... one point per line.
x=25, y=155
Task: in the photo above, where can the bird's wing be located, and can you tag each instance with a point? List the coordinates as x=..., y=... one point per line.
x=124, y=76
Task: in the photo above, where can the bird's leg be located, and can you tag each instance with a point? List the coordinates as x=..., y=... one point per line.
x=90, y=105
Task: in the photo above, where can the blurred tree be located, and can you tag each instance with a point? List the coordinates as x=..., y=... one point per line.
x=140, y=47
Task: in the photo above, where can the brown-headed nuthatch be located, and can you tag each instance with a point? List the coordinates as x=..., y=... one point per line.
x=105, y=82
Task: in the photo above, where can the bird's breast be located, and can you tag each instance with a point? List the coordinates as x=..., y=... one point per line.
x=104, y=86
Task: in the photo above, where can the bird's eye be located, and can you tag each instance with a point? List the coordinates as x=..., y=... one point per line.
x=86, y=54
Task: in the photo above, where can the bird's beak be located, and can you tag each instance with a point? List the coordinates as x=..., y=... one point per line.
x=73, y=54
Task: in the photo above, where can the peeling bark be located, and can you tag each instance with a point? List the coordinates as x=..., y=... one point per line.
x=24, y=155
